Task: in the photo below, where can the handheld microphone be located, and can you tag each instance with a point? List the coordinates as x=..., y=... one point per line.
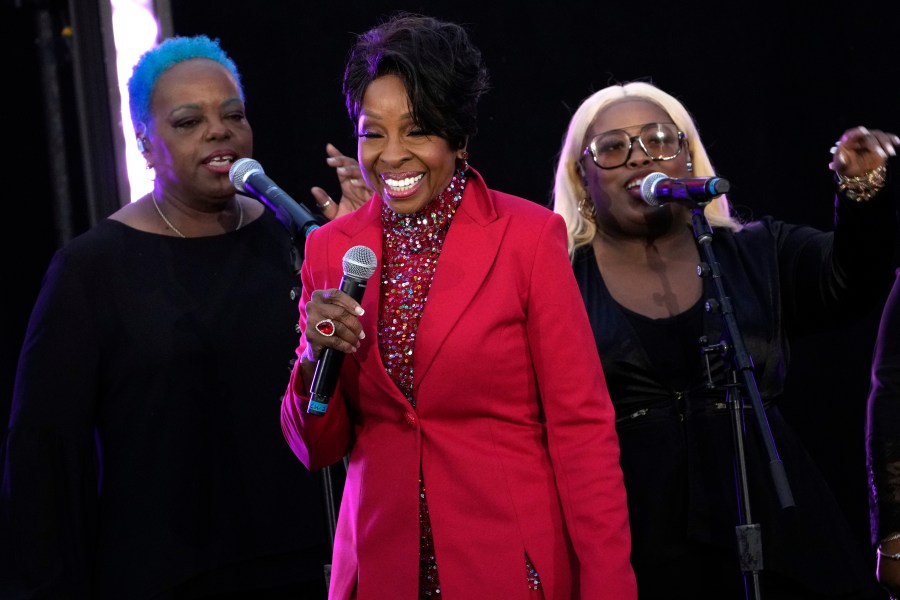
x=247, y=175
x=658, y=189
x=359, y=264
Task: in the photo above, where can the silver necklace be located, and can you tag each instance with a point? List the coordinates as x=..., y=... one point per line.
x=175, y=229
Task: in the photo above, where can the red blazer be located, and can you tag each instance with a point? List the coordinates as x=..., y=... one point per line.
x=513, y=426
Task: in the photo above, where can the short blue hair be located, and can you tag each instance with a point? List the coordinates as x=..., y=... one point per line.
x=169, y=53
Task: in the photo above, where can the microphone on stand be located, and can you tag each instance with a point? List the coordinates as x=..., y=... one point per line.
x=359, y=264
x=658, y=189
x=247, y=176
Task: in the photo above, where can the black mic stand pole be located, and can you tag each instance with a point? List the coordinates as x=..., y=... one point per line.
x=331, y=511
x=298, y=240
x=732, y=348
x=331, y=518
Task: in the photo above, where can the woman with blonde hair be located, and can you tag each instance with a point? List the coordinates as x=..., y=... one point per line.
x=636, y=264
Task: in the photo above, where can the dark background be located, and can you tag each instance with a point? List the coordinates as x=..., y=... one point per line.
x=771, y=87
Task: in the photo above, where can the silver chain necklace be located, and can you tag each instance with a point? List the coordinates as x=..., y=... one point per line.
x=175, y=229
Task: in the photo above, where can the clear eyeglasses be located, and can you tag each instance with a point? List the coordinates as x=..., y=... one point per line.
x=612, y=149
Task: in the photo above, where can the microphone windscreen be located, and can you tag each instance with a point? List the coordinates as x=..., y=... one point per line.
x=648, y=187
x=359, y=262
x=241, y=169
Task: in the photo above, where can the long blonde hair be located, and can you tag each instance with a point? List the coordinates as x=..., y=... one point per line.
x=568, y=188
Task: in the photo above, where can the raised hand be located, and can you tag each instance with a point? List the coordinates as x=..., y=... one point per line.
x=354, y=191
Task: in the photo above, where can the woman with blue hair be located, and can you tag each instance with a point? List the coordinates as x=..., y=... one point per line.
x=143, y=456
x=169, y=53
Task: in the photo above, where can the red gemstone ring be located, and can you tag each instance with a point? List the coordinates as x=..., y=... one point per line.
x=325, y=327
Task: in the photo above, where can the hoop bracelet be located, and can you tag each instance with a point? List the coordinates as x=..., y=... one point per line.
x=890, y=538
x=863, y=187
x=882, y=554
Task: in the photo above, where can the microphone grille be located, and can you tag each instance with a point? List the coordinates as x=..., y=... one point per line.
x=241, y=169
x=648, y=187
x=359, y=262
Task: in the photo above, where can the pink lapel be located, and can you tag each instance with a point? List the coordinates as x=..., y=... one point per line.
x=468, y=253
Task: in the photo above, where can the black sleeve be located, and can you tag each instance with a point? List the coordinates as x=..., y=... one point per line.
x=883, y=423
x=48, y=492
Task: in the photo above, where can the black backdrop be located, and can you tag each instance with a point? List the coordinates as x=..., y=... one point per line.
x=771, y=87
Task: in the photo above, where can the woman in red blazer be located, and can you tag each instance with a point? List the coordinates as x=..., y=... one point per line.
x=465, y=373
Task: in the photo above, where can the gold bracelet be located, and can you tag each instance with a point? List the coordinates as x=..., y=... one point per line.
x=863, y=187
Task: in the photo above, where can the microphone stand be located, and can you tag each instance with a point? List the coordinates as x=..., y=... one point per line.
x=331, y=511
x=296, y=259
x=740, y=373
x=330, y=517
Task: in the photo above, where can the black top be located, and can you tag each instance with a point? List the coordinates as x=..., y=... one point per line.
x=144, y=448
x=883, y=423
x=672, y=344
x=676, y=434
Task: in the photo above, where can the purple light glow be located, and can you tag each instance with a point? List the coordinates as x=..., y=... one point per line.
x=135, y=30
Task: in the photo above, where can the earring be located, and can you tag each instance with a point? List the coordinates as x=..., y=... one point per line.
x=586, y=208
x=140, y=145
x=465, y=161
x=690, y=166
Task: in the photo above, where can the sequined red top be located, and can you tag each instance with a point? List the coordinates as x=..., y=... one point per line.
x=412, y=245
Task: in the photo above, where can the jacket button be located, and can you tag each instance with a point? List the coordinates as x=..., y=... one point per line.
x=411, y=419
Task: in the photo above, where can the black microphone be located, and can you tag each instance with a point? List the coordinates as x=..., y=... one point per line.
x=247, y=176
x=359, y=264
x=658, y=189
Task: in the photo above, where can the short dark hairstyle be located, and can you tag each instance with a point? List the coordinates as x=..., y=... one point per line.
x=442, y=71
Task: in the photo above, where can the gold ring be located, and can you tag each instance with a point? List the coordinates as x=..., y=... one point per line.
x=325, y=327
x=325, y=204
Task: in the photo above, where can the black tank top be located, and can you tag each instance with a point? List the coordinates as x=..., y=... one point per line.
x=672, y=344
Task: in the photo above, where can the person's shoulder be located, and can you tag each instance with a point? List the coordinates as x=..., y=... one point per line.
x=767, y=233
x=88, y=255
x=520, y=207
x=528, y=219
x=96, y=239
x=346, y=227
x=503, y=202
x=517, y=201
x=345, y=222
x=761, y=226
